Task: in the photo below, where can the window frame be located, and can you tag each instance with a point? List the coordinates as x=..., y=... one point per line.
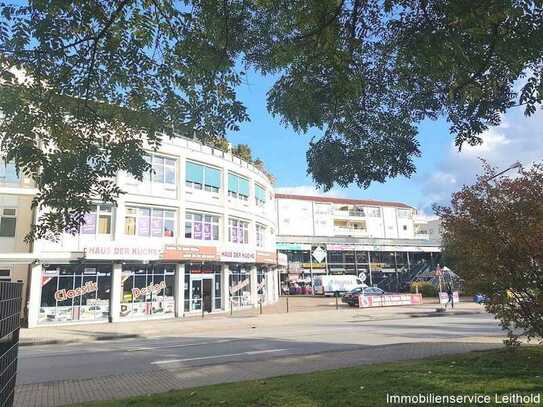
x=236, y=223
x=4, y=216
x=99, y=212
x=203, y=186
x=236, y=194
x=136, y=214
x=260, y=202
x=192, y=221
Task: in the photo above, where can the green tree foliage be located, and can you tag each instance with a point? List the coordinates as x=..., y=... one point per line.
x=243, y=151
x=365, y=72
x=492, y=232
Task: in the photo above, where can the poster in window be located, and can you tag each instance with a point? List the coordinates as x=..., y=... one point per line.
x=198, y=230
x=156, y=226
x=207, y=231
x=143, y=226
x=89, y=228
x=240, y=233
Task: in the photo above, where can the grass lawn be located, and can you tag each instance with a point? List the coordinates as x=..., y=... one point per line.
x=491, y=372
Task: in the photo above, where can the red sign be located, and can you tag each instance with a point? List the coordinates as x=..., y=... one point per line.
x=153, y=288
x=368, y=301
x=266, y=257
x=191, y=253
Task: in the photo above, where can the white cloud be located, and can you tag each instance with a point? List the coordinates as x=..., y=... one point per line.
x=309, y=190
x=518, y=138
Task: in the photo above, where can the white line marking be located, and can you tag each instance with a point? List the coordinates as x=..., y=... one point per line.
x=183, y=345
x=254, y=352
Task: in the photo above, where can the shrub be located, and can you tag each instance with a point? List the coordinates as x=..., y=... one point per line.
x=425, y=288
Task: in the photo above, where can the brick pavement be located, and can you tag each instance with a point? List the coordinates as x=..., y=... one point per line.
x=53, y=394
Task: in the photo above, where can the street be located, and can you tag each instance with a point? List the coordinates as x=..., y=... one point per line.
x=320, y=341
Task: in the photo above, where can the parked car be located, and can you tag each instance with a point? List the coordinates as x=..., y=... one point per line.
x=480, y=298
x=353, y=299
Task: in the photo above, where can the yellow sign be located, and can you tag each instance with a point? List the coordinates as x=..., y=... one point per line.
x=313, y=265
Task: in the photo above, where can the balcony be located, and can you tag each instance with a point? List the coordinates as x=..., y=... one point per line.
x=347, y=231
x=349, y=214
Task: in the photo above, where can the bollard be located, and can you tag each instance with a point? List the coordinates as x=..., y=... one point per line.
x=231, y=308
x=337, y=304
x=260, y=306
x=202, y=306
x=287, y=304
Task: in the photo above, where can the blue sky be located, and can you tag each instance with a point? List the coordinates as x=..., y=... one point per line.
x=441, y=169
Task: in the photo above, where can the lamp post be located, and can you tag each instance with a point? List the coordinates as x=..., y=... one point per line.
x=516, y=164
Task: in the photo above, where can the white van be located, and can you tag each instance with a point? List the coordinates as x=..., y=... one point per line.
x=329, y=285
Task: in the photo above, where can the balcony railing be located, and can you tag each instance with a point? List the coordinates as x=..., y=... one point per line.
x=351, y=213
x=345, y=231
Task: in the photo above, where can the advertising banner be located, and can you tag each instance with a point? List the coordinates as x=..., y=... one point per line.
x=116, y=251
x=156, y=226
x=89, y=228
x=190, y=253
x=207, y=231
x=368, y=301
x=198, y=230
x=266, y=257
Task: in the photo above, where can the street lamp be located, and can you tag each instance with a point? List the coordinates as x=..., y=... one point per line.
x=516, y=164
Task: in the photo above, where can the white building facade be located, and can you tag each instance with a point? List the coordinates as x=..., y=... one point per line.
x=196, y=235
x=373, y=238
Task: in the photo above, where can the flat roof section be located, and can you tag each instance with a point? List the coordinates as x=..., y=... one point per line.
x=346, y=201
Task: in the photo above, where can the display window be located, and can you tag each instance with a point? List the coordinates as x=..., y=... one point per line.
x=240, y=287
x=71, y=293
x=262, y=283
x=148, y=291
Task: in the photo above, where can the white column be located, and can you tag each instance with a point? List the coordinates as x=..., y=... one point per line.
x=34, y=295
x=270, y=296
x=254, y=292
x=225, y=289
x=179, y=290
x=276, y=284
x=116, y=293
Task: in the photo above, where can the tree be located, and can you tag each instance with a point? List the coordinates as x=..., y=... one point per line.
x=243, y=151
x=492, y=232
x=364, y=72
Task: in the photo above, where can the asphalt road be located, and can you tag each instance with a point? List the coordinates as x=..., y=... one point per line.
x=39, y=364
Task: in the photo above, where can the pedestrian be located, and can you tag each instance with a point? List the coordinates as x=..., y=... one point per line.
x=451, y=296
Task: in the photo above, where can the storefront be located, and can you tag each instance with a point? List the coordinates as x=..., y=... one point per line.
x=240, y=286
x=148, y=291
x=72, y=293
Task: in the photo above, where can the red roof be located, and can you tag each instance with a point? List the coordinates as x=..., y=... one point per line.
x=345, y=201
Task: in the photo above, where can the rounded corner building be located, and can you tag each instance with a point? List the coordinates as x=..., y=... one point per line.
x=196, y=235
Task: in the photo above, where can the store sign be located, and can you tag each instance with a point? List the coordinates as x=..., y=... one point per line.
x=239, y=286
x=313, y=265
x=238, y=256
x=266, y=257
x=381, y=248
x=292, y=246
x=368, y=301
x=190, y=253
x=444, y=297
x=150, y=289
x=260, y=286
x=282, y=259
x=112, y=251
x=319, y=254
x=63, y=295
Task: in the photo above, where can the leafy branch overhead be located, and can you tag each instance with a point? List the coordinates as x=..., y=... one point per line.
x=365, y=72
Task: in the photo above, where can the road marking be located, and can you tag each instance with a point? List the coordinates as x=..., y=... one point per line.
x=144, y=348
x=254, y=352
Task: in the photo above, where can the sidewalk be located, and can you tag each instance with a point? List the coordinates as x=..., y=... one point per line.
x=300, y=310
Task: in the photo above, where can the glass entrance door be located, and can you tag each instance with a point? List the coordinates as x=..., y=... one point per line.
x=201, y=292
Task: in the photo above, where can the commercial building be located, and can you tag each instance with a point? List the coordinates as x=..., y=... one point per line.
x=326, y=235
x=197, y=234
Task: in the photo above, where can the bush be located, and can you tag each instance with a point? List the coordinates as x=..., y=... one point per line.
x=425, y=288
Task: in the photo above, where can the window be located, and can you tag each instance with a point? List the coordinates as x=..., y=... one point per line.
x=163, y=170
x=373, y=212
x=8, y=173
x=260, y=195
x=200, y=176
x=154, y=222
x=238, y=231
x=404, y=213
x=238, y=187
x=5, y=274
x=260, y=235
x=8, y=222
x=98, y=220
x=201, y=226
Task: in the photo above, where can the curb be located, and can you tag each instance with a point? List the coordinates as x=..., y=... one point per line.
x=37, y=342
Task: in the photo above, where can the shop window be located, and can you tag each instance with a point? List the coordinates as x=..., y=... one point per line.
x=260, y=195
x=75, y=293
x=148, y=291
x=201, y=226
x=260, y=235
x=8, y=222
x=238, y=231
x=240, y=287
x=5, y=274
x=200, y=176
x=98, y=220
x=154, y=222
x=238, y=187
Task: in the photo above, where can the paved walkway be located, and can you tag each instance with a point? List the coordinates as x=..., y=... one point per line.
x=300, y=309
x=53, y=394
